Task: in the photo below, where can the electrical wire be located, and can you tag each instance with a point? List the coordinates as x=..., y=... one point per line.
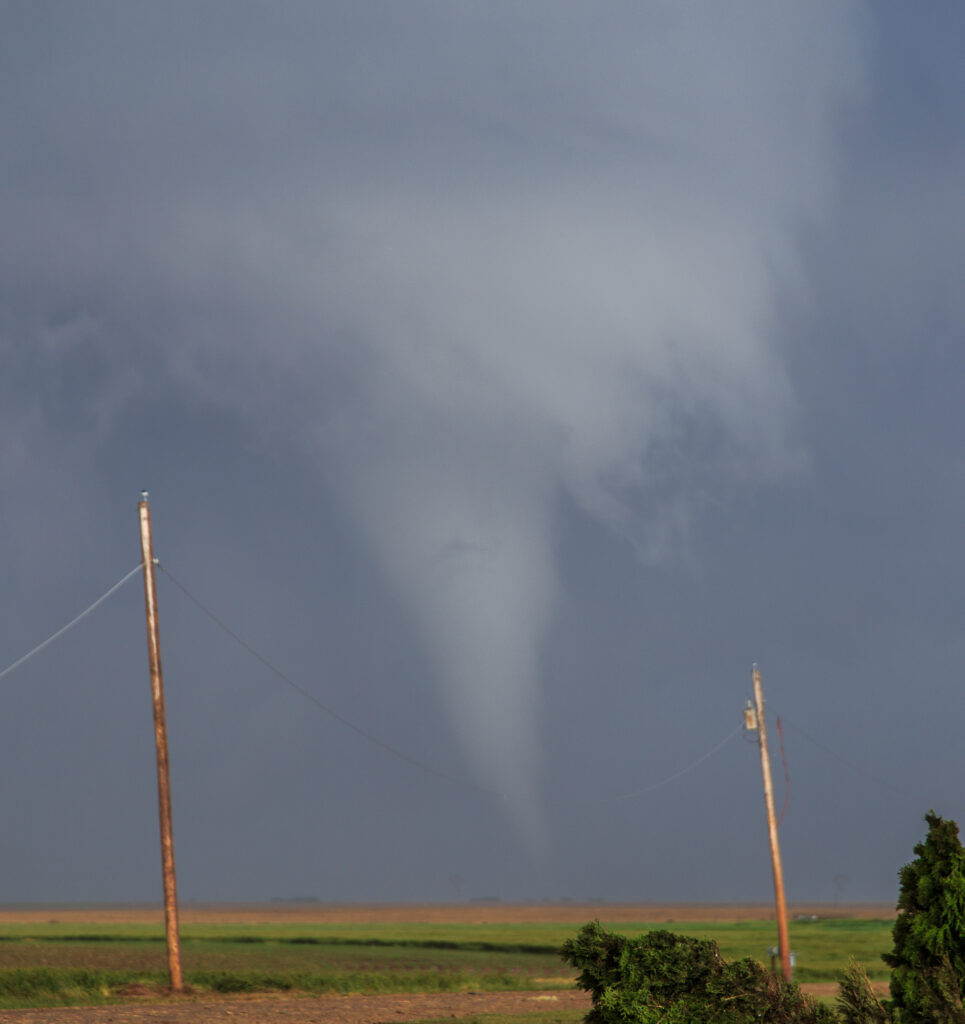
x=856, y=768
x=414, y=762
x=73, y=622
x=308, y=695
x=633, y=794
x=787, y=776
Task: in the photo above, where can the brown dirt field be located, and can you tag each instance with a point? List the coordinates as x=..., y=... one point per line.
x=433, y=913
x=328, y=1009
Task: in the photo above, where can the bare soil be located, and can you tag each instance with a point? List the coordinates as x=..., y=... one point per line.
x=327, y=1009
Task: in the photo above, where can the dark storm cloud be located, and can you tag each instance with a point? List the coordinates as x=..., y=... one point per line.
x=393, y=307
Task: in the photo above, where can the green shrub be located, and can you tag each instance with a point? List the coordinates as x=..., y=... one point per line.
x=857, y=1003
x=674, y=979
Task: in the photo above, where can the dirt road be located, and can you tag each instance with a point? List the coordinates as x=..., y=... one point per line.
x=328, y=1009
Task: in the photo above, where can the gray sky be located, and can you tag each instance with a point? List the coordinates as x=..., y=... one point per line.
x=511, y=377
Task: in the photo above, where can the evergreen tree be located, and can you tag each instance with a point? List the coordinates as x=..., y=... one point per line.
x=928, y=959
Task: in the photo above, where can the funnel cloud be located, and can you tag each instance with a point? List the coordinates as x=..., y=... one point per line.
x=533, y=328
x=536, y=285
x=513, y=376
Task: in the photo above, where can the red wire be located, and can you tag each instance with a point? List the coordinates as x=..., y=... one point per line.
x=787, y=777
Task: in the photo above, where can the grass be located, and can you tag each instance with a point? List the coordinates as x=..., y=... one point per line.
x=52, y=964
x=821, y=948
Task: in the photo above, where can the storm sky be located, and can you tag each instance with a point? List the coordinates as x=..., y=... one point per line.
x=510, y=377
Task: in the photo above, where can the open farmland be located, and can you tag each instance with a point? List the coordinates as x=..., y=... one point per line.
x=473, y=913
x=89, y=955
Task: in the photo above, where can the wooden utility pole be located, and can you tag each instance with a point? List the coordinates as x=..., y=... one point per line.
x=161, y=745
x=782, y=935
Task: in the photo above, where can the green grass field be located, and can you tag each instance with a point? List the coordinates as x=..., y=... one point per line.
x=45, y=964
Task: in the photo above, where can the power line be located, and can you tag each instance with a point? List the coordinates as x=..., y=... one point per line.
x=73, y=622
x=654, y=785
x=414, y=762
x=308, y=695
x=787, y=774
x=857, y=768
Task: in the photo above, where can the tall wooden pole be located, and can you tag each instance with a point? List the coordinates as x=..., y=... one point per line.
x=161, y=745
x=782, y=935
